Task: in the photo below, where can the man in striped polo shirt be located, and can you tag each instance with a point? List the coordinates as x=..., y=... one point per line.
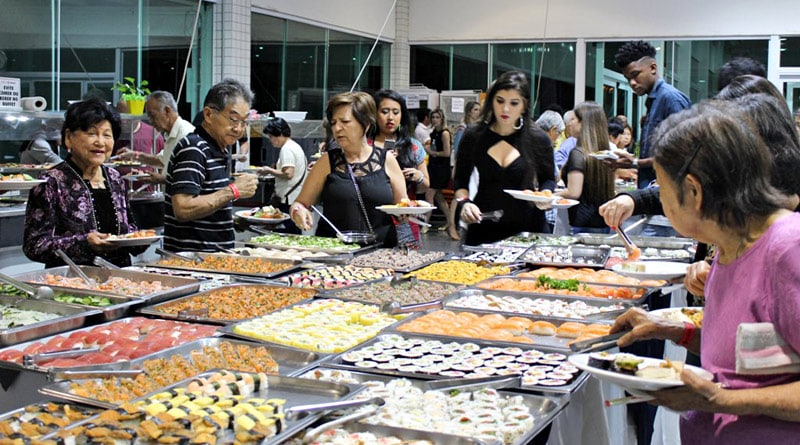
x=200, y=190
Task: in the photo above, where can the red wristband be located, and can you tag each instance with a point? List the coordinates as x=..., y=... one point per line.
x=235, y=191
x=688, y=333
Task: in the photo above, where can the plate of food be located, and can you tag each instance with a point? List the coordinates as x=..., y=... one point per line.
x=564, y=203
x=18, y=181
x=137, y=238
x=532, y=196
x=407, y=207
x=263, y=215
x=136, y=176
x=692, y=314
x=635, y=373
x=651, y=270
x=604, y=155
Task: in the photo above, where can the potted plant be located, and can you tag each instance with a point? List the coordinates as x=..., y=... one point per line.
x=135, y=95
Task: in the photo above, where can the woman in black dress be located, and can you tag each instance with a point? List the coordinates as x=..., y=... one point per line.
x=439, y=166
x=508, y=153
x=352, y=178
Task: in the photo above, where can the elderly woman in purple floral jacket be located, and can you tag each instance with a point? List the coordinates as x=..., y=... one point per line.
x=81, y=201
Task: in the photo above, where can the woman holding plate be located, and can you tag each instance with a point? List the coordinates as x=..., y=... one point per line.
x=508, y=152
x=81, y=203
x=352, y=177
x=714, y=176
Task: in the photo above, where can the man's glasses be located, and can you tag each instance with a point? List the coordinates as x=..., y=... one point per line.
x=235, y=123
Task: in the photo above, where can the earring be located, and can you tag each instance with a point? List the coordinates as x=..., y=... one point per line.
x=521, y=123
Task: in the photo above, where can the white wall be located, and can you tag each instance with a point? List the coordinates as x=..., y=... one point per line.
x=363, y=17
x=479, y=20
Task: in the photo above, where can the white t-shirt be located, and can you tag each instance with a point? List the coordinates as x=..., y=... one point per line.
x=291, y=155
x=422, y=133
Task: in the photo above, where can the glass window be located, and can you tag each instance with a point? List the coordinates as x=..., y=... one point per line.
x=266, y=62
x=470, y=65
x=790, y=51
x=305, y=69
x=430, y=66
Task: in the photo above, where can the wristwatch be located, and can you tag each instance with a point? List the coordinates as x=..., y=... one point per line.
x=635, y=163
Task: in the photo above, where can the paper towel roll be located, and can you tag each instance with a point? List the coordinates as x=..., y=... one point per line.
x=35, y=103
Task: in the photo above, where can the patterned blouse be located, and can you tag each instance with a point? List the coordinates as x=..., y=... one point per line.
x=61, y=214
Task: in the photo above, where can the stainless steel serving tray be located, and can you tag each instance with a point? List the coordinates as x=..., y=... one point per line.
x=647, y=291
x=409, y=435
x=354, y=250
x=177, y=286
x=528, y=239
x=291, y=265
x=72, y=317
x=544, y=408
x=576, y=256
x=294, y=390
x=356, y=292
x=290, y=362
x=338, y=361
x=552, y=343
x=508, y=254
x=364, y=260
x=203, y=317
x=659, y=242
x=50, y=369
x=496, y=300
x=25, y=412
x=119, y=307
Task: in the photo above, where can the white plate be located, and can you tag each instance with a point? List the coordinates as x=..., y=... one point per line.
x=136, y=177
x=141, y=241
x=604, y=155
x=245, y=214
x=395, y=210
x=20, y=185
x=654, y=270
x=675, y=314
x=632, y=382
x=568, y=204
x=519, y=194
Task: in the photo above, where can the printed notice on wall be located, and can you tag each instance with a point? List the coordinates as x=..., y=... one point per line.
x=457, y=106
x=9, y=92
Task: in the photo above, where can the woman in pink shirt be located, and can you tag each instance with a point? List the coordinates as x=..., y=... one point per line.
x=714, y=173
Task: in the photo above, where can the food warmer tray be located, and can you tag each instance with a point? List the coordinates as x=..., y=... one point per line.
x=528, y=239
x=409, y=435
x=367, y=286
x=360, y=260
x=291, y=265
x=543, y=407
x=177, y=286
x=291, y=362
x=49, y=369
x=491, y=249
x=570, y=256
x=331, y=251
x=295, y=391
x=72, y=317
x=612, y=313
x=658, y=242
x=337, y=361
x=648, y=291
x=550, y=343
x=34, y=413
x=202, y=316
x=120, y=306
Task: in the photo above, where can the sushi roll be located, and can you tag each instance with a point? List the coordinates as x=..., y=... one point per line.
x=626, y=363
x=601, y=360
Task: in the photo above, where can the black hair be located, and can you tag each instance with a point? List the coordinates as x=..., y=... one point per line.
x=422, y=113
x=402, y=143
x=633, y=51
x=746, y=84
x=278, y=127
x=739, y=66
x=615, y=127
x=87, y=113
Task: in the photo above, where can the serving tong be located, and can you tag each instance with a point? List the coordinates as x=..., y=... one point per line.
x=35, y=359
x=395, y=308
x=167, y=253
x=597, y=343
x=493, y=216
x=75, y=268
x=39, y=292
x=294, y=412
x=56, y=375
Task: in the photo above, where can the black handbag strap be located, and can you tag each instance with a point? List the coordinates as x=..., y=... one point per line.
x=358, y=195
x=294, y=187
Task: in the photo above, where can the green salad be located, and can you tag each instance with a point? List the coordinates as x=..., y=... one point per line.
x=86, y=300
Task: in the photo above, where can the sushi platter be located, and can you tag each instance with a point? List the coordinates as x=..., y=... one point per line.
x=404, y=291
x=251, y=410
x=573, y=290
x=541, y=305
x=566, y=256
x=397, y=260
x=175, y=364
x=491, y=254
x=529, y=239
x=34, y=421
x=518, y=416
x=361, y=433
x=421, y=357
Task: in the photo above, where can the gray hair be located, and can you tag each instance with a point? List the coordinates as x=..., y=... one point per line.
x=164, y=99
x=225, y=93
x=550, y=119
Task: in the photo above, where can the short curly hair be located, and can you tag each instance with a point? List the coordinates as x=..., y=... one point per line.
x=633, y=51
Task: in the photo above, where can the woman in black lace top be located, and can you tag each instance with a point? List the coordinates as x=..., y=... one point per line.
x=508, y=153
x=353, y=178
